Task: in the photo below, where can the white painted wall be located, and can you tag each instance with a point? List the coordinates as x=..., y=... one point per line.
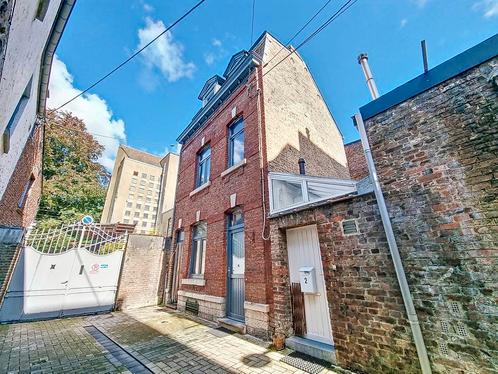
x=27, y=39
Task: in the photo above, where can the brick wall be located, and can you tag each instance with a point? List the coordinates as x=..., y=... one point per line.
x=29, y=164
x=9, y=250
x=369, y=326
x=439, y=173
x=357, y=163
x=214, y=203
x=141, y=282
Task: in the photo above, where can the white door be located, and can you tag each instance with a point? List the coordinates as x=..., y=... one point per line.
x=304, y=250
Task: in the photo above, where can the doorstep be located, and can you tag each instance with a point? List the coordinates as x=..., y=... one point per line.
x=232, y=325
x=312, y=348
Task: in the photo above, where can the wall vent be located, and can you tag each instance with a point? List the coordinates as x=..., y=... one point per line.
x=455, y=308
x=445, y=327
x=443, y=348
x=461, y=330
x=349, y=227
x=192, y=306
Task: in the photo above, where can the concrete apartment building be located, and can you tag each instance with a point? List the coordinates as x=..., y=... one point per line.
x=134, y=195
x=254, y=120
x=30, y=33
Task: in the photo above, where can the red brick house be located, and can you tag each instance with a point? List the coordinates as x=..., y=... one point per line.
x=254, y=120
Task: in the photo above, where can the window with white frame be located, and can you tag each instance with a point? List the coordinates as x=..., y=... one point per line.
x=199, y=235
x=15, y=117
x=25, y=192
x=203, y=166
x=236, y=143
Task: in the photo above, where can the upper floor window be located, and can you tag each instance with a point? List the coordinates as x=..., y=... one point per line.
x=236, y=143
x=41, y=11
x=199, y=234
x=25, y=192
x=15, y=118
x=203, y=166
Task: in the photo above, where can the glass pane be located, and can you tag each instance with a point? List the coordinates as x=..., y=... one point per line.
x=238, y=148
x=236, y=127
x=286, y=193
x=238, y=256
x=317, y=190
x=236, y=218
x=200, y=230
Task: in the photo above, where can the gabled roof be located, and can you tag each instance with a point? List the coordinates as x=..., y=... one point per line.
x=208, y=86
x=141, y=156
x=235, y=61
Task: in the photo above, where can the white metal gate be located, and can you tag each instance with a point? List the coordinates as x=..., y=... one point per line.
x=69, y=270
x=304, y=251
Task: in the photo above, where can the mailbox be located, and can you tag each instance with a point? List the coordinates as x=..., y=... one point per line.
x=307, y=279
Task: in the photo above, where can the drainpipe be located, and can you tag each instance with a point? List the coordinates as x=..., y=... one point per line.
x=386, y=222
x=302, y=166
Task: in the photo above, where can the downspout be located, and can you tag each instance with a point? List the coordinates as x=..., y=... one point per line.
x=386, y=222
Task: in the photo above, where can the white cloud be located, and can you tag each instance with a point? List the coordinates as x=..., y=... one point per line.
x=212, y=56
x=90, y=108
x=164, y=55
x=420, y=3
x=489, y=8
x=209, y=58
x=148, y=8
x=403, y=22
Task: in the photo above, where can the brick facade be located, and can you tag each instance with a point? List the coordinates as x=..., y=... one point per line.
x=28, y=166
x=142, y=279
x=369, y=326
x=439, y=173
x=213, y=203
x=357, y=163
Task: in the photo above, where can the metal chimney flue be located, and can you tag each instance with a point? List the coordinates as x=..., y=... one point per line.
x=302, y=166
x=363, y=61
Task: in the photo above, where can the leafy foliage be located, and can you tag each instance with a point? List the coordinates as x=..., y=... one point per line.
x=74, y=182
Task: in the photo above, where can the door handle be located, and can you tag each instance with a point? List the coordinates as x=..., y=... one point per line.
x=64, y=282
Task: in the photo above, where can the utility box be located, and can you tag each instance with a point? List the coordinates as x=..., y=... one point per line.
x=307, y=279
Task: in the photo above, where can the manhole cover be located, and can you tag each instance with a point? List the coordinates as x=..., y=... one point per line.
x=304, y=362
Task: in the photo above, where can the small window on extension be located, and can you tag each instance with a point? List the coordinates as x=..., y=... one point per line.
x=25, y=192
x=349, y=227
x=41, y=11
x=16, y=116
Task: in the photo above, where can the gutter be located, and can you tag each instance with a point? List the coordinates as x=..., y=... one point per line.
x=63, y=14
x=225, y=90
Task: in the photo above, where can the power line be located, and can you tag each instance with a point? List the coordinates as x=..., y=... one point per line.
x=133, y=55
x=252, y=21
x=332, y=18
x=300, y=30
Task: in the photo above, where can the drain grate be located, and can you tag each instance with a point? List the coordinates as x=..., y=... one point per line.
x=131, y=363
x=304, y=362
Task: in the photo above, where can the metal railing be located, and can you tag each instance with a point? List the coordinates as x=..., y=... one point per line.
x=95, y=238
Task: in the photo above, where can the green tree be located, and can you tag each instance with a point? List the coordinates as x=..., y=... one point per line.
x=74, y=182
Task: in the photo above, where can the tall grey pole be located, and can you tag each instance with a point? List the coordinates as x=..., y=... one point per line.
x=386, y=222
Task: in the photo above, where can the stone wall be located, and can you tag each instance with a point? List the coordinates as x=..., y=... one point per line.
x=5, y=19
x=357, y=164
x=141, y=281
x=369, y=326
x=439, y=172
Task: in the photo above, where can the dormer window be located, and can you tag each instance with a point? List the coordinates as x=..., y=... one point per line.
x=210, y=94
x=211, y=87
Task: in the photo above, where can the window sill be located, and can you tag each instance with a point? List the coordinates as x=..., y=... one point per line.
x=234, y=167
x=200, y=188
x=194, y=281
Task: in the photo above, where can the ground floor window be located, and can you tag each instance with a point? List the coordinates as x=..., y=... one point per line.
x=199, y=234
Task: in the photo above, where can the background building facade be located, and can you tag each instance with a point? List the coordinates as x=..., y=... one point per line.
x=134, y=189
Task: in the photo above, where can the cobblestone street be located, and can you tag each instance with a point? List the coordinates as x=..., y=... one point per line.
x=139, y=341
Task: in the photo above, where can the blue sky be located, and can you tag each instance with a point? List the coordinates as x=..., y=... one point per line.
x=149, y=101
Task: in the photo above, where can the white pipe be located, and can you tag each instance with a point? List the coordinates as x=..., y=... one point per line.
x=363, y=61
x=386, y=222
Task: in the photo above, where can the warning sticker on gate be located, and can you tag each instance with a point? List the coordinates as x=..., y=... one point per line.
x=94, y=269
x=104, y=266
